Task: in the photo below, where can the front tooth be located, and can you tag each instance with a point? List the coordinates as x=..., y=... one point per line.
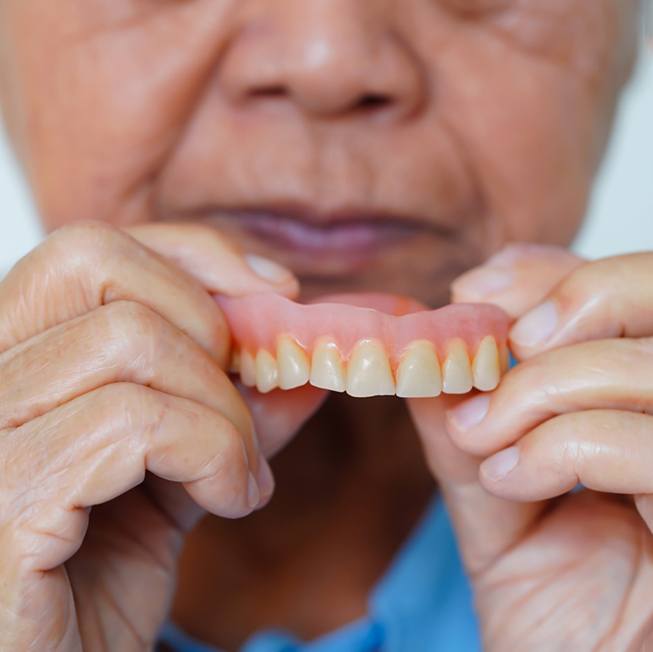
x=247, y=369
x=293, y=363
x=486, y=367
x=456, y=371
x=267, y=372
x=327, y=370
x=368, y=372
x=418, y=374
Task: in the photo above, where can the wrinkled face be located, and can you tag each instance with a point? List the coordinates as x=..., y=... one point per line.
x=367, y=144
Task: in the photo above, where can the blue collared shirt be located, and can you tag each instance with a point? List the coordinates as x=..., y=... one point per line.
x=422, y=604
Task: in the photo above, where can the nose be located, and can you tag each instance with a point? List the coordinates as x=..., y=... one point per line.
x=325, y=58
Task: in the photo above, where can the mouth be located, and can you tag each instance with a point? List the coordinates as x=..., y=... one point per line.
x=340, y=240
x=352, y=234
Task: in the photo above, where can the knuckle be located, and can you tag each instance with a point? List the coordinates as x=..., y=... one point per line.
x=133, y=411
x=86, y=236
x=135, y=326
x=115, y=394
x=144, y=335
x=575, y=454
x=593, y=280
x=574, y=287
x=566, y=436
x=137, y=411
x=86, y=246
x=229, y=455
x=128, y=402
x=535, y=375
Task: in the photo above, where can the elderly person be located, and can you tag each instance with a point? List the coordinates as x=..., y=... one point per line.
x=176, y=149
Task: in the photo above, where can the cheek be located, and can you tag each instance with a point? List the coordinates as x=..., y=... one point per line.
x=98, y=106
x=530, y=130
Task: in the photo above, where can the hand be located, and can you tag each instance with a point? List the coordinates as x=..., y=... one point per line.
x=554, y=570
x=113, y=396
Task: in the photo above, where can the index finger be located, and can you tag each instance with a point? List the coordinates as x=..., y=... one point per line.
x=607, y=298
x=517, y=278
x=86, y=265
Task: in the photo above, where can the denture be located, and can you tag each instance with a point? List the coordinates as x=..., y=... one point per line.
x=366, y=345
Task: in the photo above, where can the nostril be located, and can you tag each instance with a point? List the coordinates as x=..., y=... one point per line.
x=272, y=91
x=372, y=102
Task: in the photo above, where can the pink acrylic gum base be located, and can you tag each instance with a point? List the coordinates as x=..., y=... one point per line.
x=256, y=321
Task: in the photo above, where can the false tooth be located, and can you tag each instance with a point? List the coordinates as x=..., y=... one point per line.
x=293, y=363
x=368, y=371
x=247, y=369
x=327, y=370
x=267, y=372
x=486, y=366
x=418, y=374
x=456, y=370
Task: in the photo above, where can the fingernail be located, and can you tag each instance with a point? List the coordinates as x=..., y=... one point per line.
x=470, y=413
x=513, y=252
x=265, y=479
x=483, y=282
x=253, y=493
x=500, y=465
x=267, y=269
x=536, y=326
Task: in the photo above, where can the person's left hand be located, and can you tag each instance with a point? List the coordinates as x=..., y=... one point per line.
x=553, y=570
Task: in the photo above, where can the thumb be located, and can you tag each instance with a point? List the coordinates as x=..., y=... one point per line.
x=214, y=260
x=516, y=278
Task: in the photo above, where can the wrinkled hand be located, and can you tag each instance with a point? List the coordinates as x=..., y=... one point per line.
x=112, y=358
x=554, y=570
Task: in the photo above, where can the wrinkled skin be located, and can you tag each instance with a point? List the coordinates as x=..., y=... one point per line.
x=574, y=572
x=468, y=92
x=461, y=123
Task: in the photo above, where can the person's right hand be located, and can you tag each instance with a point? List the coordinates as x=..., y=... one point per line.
x=112, y=358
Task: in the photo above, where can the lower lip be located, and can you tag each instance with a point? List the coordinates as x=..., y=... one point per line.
x=353, y=237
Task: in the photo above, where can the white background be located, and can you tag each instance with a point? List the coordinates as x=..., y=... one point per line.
x=620, y=215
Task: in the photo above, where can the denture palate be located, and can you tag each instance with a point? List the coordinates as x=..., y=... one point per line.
x=386, y=346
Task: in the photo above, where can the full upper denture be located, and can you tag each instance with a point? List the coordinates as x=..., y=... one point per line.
x=366, y=345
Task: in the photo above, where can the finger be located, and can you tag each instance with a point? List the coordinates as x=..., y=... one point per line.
x=215, y=261
x=279, y=415
x=612, y=297
x=606, y=374
x=516, y=278
x=485, y=525
x=604, y=450
x=100, y=445
x=120, y=342
x=84, y=266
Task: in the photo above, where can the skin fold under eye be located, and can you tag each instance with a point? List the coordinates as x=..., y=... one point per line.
x=570, y=33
